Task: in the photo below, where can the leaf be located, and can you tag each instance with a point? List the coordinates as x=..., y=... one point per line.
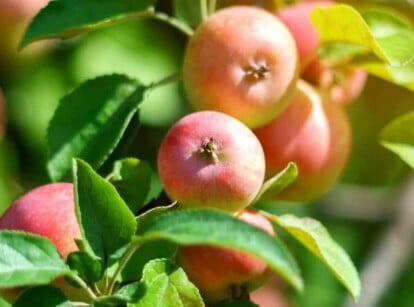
x=398, y=137
x=90, y=121
x=106, y=222
x=314, y=236
x=67, y=18
x=27, y=259
x=88, y=268
x=42, y=296
x=278, y=182
x=400, y=75
x=380, y=31
x=132, y=179
x=188, y=11
x=166, y=285
x=209, y=226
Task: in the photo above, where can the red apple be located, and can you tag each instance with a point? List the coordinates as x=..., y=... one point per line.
x=210, y=159
x=48, y=211
x=339, y=81
x=241, y=61
x=223, y=274
x=314, y=134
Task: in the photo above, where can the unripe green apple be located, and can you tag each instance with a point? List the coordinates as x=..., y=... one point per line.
x=48, y=211
x=241, y=61
x=338, y=81
x=223, y=274
x=210, y=159
x=314, y=134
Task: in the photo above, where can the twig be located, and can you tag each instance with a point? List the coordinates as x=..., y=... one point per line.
x=391, y=254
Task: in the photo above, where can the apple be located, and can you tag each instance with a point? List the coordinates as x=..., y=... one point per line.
x=48, y=211
x=313, y=133
x=338, y=80
x=241, y=61
x=223, y=274
x=210, y=159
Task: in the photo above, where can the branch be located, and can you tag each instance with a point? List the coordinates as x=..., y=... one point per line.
x=393, y=251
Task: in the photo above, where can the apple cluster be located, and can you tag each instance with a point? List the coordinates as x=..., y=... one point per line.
x=262, y=97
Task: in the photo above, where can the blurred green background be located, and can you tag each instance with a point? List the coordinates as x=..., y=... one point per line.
x=367, y=203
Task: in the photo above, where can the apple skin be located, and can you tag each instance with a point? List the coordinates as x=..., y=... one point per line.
x=339, y=81
x=222, y=274
x=314, y=134
x=210, y=159
x=48, y=211
x=241, y=61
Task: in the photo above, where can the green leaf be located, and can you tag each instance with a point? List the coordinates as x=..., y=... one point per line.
x=90, y=121
x=213, y=227
x=146, y=252
x=398, y=136
x=314, y=236
x=67, y=18
x=106, y=222
x=380, y=31
x=188, y=11
x=166, y=285
x=27, y=259
x=400, y=75
x=88, y=268
x=277, y=183
x=132, y=179
x=42, y=296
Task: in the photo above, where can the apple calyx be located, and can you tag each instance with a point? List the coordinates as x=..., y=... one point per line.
x=208, y=151
x=258, y=71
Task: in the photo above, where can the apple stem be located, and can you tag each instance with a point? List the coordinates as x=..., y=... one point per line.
x=83, y=285
x=122, y=263
x=208, y=151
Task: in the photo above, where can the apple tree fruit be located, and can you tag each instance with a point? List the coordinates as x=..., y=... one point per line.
x=222, y=274
x=241, y=61
x=338, y=80
x=48, y=211
x=210, y=159
x=313, y=133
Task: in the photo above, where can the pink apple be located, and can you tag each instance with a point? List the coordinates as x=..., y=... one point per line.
x=222, y=274
x=339, y=81
x=48, y=211
x=314, y=134
x=241, y=61
x=210, y=159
